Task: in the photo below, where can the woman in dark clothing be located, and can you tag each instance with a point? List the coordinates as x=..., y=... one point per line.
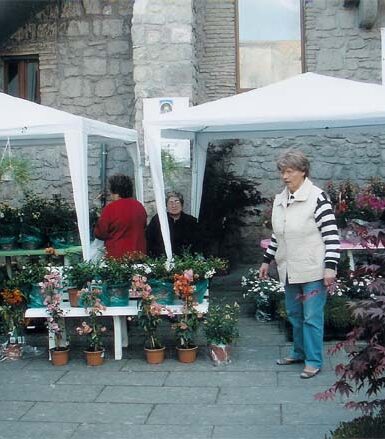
x=122, y=223
x=183, y=229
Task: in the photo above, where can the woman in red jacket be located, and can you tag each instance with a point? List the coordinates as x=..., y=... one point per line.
x=122, y=223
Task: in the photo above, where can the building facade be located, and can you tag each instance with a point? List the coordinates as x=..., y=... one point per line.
x=101, y=58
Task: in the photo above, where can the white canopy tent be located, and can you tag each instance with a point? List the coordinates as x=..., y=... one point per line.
x=307, y=103
x=26, y=123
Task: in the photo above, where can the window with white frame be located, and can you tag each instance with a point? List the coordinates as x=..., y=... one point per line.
x=269, y=41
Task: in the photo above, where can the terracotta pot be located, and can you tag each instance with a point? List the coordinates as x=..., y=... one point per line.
x=59, y=357
x=155, y=356
x=94, y=358
x=188, y=355
x=220, y=354
x=73, y=294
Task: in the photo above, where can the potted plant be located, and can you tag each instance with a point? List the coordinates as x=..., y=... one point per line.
x=149, y=319
x=93, y=329
x=12, y=308
x=77, y=276
x=267, y=293
x=188, y=322
x=33, y=217
x=221, y=329
x=10, y=226
x=30, y=278
x=14, y=169
x=50, y=288
x=61, y=223
x=115, y=275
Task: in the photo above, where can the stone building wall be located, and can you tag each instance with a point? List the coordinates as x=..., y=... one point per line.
x=85, y=59
x=163, y=56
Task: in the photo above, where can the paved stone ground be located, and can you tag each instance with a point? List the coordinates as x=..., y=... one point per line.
x=249, y=398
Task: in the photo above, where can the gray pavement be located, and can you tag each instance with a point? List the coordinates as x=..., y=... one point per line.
x=250, y=398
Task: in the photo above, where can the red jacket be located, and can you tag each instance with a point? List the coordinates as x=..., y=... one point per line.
x=122, y=227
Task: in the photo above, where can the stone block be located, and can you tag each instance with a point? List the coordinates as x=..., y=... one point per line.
x=114, y=106
x=112, y=378
x=105, y=87
x=13, y=410
x=181, y=34
x=178, y=73
x=330, y=59
x=85, y=412
x=78, y=28
x=118, y=47
x=92, y=6
x=49, y=392
x=33, y=430
x=158, y=395
x=112, y=27
x=222, y=378
x=94, y=66
x=71, y=87
x=188, y=414
x=119, y=431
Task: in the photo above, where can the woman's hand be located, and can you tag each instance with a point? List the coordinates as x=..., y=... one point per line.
x=264, y=271
x=329, y=277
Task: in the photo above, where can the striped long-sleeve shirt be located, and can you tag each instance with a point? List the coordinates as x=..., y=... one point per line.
x=326, y=223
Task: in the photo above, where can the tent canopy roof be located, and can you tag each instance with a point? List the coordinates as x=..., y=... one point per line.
x=305, y=102
x=27, y=120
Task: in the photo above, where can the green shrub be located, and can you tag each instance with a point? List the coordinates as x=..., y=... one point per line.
x=364, y=427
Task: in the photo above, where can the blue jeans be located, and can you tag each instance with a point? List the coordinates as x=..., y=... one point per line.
x=305, y=310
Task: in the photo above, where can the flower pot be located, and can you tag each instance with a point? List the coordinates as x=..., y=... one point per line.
x=220, y=353
x=35, y=297
x=94, y=358
x=64, y=239
x=155, y=356
x=118, y=294
x=73, y=295
x=187, y=355
x=59, y=357
x=163, y=291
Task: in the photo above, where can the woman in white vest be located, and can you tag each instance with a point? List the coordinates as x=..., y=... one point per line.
x=305, y=246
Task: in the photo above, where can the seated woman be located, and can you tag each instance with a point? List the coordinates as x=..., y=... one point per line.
x=122, y=223
x=183, y=229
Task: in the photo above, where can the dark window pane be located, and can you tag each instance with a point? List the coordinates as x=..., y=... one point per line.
x=13, y=79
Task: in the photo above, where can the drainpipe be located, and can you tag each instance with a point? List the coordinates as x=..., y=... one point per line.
x=103, y=175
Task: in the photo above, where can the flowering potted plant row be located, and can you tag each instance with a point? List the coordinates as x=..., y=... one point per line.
x=92, y=328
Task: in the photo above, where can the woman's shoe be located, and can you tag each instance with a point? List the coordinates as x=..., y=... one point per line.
x=307, y=373
x=287, y=361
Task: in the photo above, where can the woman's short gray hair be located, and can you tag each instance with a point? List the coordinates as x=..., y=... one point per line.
x=295, y=159
x=174, y=194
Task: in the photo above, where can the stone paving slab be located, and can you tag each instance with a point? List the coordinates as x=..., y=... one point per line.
x=118, y=431
x=13, y=410
x=320, y=412
x=222, y=378
x=190, y=414
x=86, y=412
x=34, y=430
x=49, y=392
x=271, y=431
x=268, y=395
x=159, y=395
x=123, y=378
x=291, y=379
x=43, y=364
x=30, y=377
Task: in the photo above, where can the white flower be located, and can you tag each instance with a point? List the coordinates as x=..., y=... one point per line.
x=169, y=265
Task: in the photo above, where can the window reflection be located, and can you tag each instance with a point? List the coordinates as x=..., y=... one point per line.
x=269, y=41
